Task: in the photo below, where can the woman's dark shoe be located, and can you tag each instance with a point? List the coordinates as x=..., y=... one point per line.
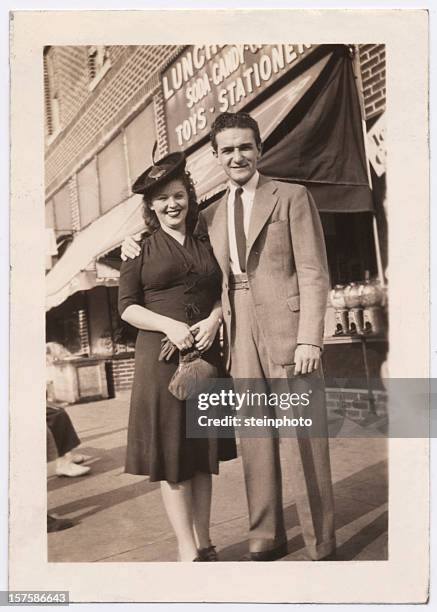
x=267, y=555
x=208, y=554
x=331, y=557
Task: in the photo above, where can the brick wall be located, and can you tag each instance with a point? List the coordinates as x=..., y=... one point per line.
x=74, y=203
x=372, y=61
x=83, y=331
x=71, y=66
x=355, y=403
x=160, y=124
x=123, y=373
x=90, y=119
x=72, y=70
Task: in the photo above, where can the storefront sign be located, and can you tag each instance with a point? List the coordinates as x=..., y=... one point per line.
x=208, y=80
x=376, y=148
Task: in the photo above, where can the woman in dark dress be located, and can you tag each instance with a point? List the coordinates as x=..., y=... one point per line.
x=173, y=290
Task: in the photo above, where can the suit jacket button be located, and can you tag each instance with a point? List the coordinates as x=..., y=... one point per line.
x=229, y=312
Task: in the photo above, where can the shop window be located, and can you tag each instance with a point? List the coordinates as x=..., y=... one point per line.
x=113, y=174
x=70, y=332
x=350, y=246
x=354, y=363
x=88, y=192
x=62, y=211
x=50, y=214
x=63, y=324
x=51, y=99
x=51, y=248
x=140, y=137
x=98, y=64
x=100, y=331
x=124, y=335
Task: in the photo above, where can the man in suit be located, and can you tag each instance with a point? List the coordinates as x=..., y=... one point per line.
x=268, y=240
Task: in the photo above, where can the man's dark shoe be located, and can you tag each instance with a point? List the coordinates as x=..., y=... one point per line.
x=267, y=555
x=57, y=524
x=208, y=554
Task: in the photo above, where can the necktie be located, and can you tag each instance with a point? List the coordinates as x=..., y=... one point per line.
x=240, y=236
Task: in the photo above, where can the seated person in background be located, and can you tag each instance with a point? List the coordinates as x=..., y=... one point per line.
x=54, y=523
x=65, y=439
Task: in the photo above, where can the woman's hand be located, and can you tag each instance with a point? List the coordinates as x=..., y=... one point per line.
x=205, y=332
x=180, y=334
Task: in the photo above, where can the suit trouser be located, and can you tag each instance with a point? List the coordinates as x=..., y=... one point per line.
x=309, y=456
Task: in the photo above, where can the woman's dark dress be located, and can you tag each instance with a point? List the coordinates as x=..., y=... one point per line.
x=181, y=282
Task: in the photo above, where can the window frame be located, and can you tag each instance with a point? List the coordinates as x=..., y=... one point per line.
x=101, y=68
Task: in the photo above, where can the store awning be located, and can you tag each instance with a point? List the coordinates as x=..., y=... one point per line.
x=208, y=176
x=77, y=269
x=312, y=135
x=320, y=143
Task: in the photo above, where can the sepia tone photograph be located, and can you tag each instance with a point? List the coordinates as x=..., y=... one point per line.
x=138, y=139
x=216, y=272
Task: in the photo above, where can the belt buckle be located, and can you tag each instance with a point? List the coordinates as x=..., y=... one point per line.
x=242, y=284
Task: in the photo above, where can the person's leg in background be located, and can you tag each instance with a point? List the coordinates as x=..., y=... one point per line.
x=66, y=439
x=54, y=523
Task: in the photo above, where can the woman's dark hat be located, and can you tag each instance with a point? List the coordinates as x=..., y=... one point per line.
x=160, y=172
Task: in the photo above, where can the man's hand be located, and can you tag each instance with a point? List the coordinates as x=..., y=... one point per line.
x=205, y=332
x=306, y=358
x=130, y=247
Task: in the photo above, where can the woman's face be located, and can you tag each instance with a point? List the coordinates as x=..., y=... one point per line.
x=170, y=204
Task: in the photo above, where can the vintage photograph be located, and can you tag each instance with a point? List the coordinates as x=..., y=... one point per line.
x=215, y=211
x=219, y=332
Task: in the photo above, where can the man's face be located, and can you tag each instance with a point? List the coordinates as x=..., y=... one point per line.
x=237, y=153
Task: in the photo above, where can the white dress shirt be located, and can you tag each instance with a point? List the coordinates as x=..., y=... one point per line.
x=247, y=198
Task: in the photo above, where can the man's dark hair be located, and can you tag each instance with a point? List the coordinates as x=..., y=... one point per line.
x=234, y=120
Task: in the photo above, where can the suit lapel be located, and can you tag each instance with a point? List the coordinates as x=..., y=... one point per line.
x=218, y=234
x=263, y=205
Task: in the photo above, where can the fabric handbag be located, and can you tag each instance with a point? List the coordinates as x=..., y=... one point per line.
x=194, y=375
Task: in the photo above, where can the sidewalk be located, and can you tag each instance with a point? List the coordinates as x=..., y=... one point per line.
x=120, y=517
